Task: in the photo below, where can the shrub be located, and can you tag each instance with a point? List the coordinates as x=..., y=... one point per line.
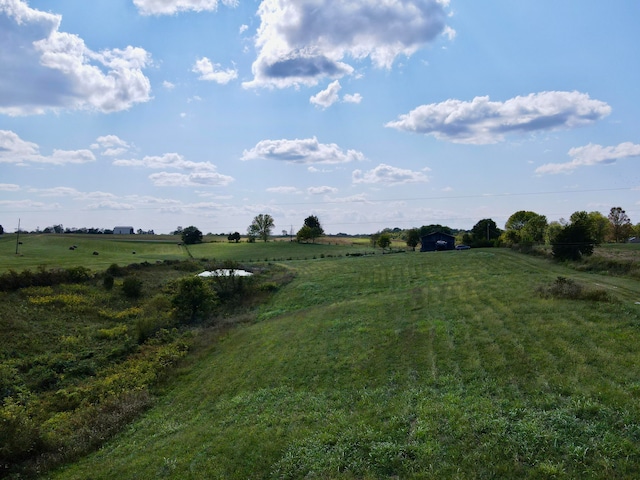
x=566, y=288
x=107, y=282
x=132, y=287
x=194, y=300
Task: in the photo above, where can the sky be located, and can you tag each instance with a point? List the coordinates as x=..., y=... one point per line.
x=369, y=114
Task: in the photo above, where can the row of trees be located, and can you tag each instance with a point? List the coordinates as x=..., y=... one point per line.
x=570, y=239
x=261, y=228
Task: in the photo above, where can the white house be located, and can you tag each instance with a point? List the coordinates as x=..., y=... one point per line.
x=123, y=231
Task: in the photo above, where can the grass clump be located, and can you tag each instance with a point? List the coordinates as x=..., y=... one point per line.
x=566, y=288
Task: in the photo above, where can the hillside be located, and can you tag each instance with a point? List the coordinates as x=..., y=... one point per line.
x=411, y=365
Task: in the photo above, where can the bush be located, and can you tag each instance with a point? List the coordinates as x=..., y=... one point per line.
x=132, y=287
x=107, y=282
x=194, y=300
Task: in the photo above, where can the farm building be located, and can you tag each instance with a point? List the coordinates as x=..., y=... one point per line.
x=123, y=230
x=437, y=241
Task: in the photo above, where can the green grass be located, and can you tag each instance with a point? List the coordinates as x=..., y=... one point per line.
x=439, y=365
x=52, y=251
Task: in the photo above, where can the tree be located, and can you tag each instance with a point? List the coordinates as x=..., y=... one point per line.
x=413, y=238
x=191, y=235
x=600, y=226
x=234, y=237
x=484, y=233
x=194, y=300
x=524, y=227
x=620, y=225
x=261, y=226
x=573, y=241
x=384, y=240
x=1, y=230
x=311, y=229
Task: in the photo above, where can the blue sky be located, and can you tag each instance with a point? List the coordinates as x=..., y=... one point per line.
x=368, y=114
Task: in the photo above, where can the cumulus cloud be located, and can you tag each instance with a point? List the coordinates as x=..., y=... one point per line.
x=328, y=96
x=195, y=179
x=284, y=190
x=170, y=7
x=33, y=53
x=111, y=145
x=198, y=173
x=323, y=190
x=590, y=155
x=110, y=205
x=305, y=151
x=482, y=121
x=20, y=152
x=212, y=72
x=9, y=187
x=303, y=41
x=388, y=175
x=168, y=160
x=352, y=98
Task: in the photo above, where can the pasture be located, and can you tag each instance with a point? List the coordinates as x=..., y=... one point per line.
x=436, y=365
x=53, y=251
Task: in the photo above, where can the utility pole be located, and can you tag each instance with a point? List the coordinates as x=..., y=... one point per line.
x=18, y=237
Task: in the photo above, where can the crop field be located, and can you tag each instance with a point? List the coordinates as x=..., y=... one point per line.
x=436, y=365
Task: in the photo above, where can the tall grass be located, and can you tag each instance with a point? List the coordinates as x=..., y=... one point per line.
x=441, y=365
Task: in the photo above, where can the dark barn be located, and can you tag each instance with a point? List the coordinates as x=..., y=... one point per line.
x=437, y=241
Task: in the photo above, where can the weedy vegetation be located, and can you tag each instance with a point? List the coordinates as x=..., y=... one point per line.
x=472, y=364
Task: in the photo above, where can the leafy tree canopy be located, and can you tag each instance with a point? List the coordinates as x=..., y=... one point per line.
x=384, y=240
x=621, y=227
x=412, y=238
x=484, y=232
x=191, y=235
x=311, y=229
x=261, y=226
x=525, y=227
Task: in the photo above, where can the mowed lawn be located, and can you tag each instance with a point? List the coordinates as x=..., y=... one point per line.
x=436, y=365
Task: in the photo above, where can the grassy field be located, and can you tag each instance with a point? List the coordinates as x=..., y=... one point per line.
x=52, y=251
x=437, y=365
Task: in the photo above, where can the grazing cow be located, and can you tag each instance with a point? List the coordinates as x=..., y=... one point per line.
x=96, y=253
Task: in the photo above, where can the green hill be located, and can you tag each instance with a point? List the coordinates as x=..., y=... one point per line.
x=438, y=365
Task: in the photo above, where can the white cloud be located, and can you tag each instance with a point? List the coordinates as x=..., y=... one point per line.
x=168, y=85
x=482, y=121
x=110, y=205
x=9, y=187
x=199, y=173
x=388, y=175
x=71, y=193
x=33, y=52
x=323, y=190
x=195, y=179
x=284, y=190
x=328, y=96
x=168, y=160
x=212, y=73
x=111, y=145
x=20, y=152
x=170, y=7
x=590, y=155
x=302, y=41
x=307, y=150
x=352, y=98
x=243, y=28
